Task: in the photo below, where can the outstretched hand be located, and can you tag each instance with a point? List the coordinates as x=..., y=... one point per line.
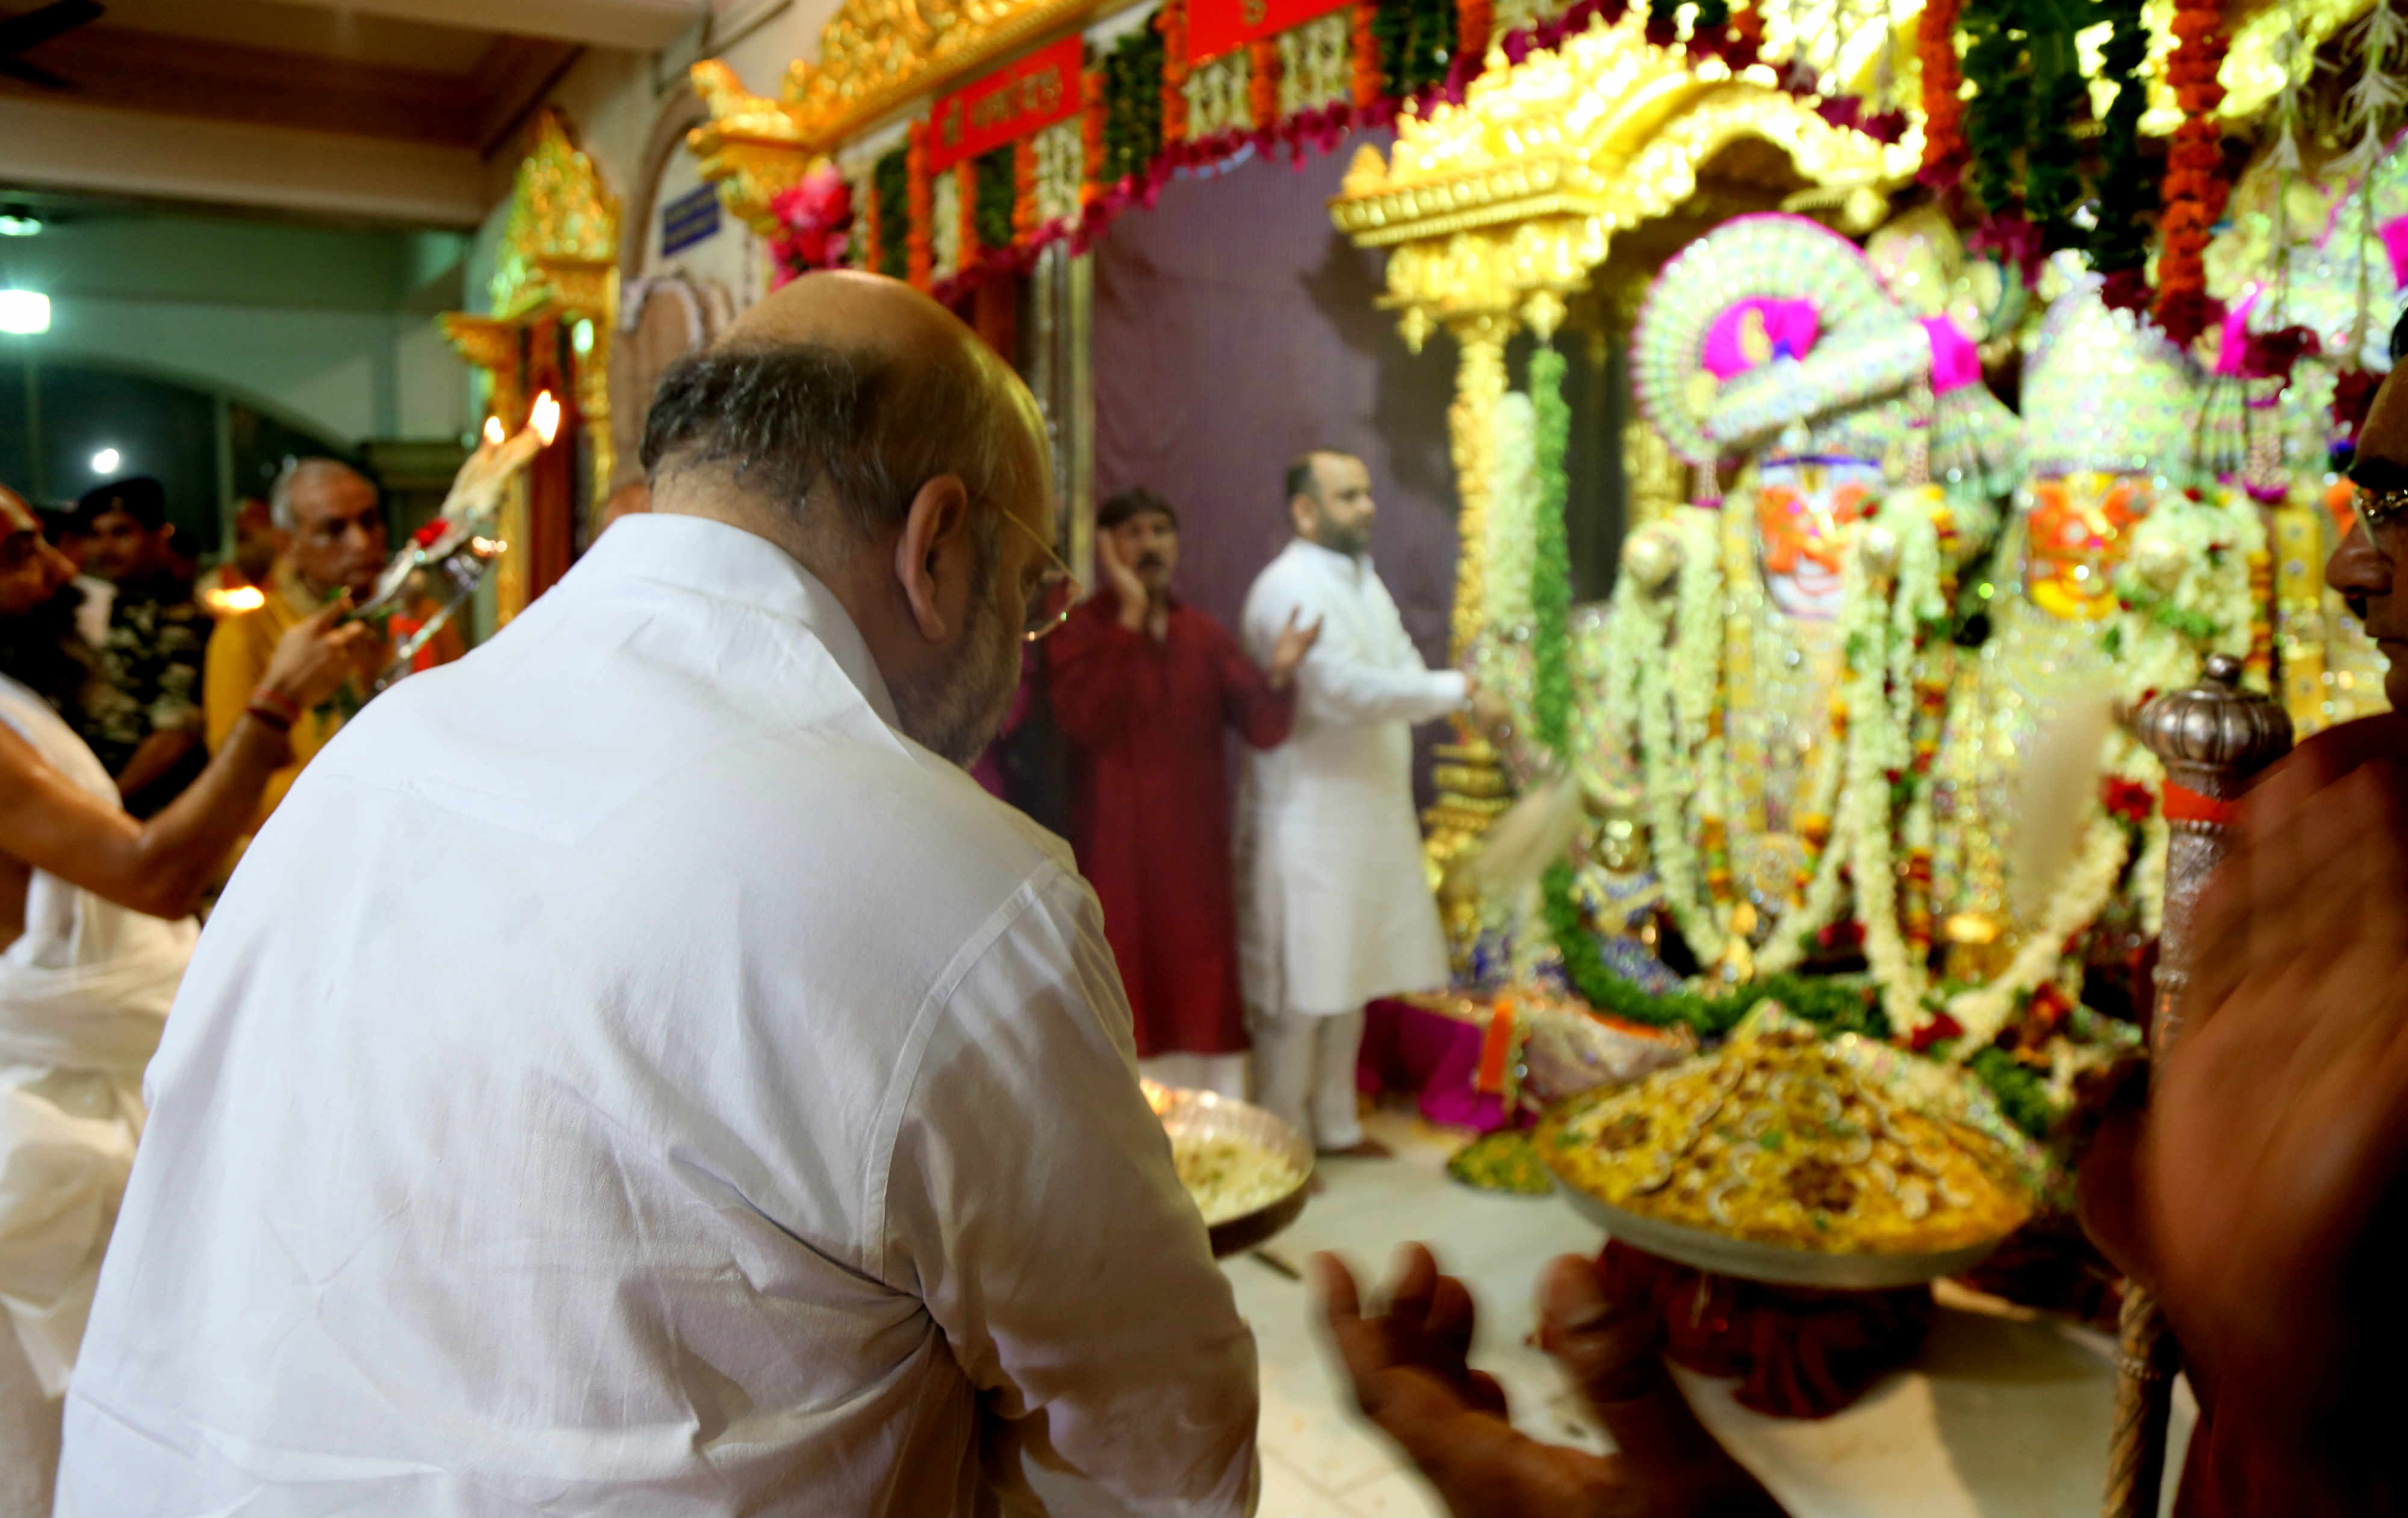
x=1410, y=1373
x=1295, y=642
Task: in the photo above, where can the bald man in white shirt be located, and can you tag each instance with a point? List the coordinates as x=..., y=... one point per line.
x=691, y=1093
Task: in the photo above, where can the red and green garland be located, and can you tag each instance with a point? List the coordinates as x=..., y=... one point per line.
x=1405, y=54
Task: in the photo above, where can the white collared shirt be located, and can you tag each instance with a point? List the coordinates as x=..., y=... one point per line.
x=626, y=1075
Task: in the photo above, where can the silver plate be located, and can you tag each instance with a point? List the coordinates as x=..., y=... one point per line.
x=1772, y=1263
x=1206, y=1114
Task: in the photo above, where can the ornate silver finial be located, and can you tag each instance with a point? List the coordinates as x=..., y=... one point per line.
x=2214, y=738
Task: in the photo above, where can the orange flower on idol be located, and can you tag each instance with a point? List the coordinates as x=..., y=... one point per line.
x=1794, y=527
x=2079, y=531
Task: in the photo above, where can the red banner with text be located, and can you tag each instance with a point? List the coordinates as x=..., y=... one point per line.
x=1218, y=26
x=1030, y=95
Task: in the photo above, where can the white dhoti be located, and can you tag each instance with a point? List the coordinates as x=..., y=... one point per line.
x=1304, y=1067
x=84, y=992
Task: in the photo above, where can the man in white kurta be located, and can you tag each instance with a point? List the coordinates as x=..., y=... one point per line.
x=1333, y=908
x=630, y=1074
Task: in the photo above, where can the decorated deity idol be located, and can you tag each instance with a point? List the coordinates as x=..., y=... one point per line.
x=1768, y=354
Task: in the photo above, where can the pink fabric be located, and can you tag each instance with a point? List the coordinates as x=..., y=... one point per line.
x=1406, y=1047
x=2394, y=234
x=1791, y=325
x=1234, y=329
x=2233, y=347
x=1955, y=363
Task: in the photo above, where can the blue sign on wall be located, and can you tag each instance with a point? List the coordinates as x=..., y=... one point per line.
x=690, y=218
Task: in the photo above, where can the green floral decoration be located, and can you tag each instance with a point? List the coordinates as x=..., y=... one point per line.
x=1132, y=103
x=2126, y=189
x=891, y=182
x=1996, y=66
x=2053, y=188
x=2021, y=1093
x=1413, y=38
x=1551, y=573
x=992, y=174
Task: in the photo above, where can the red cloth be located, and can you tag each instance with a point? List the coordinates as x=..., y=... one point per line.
x=1150, y=807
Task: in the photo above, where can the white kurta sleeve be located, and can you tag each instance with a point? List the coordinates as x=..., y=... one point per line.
x=1349, y=677
x=1032, y=1201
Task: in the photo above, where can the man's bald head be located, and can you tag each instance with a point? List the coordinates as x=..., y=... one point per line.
x=836, y=398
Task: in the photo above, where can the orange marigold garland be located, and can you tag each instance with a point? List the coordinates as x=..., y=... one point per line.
x=2195, y=185
x=1475, y=23
x=918, y=258
x=1024, y=192
x=1944, y=107
x=1171, y=21
x=1262, y=82
x=1091, y=127
x=1366, y=55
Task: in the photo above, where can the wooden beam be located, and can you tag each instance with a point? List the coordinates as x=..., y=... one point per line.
x=638, y=25
x=190, y=76
x=99, y=150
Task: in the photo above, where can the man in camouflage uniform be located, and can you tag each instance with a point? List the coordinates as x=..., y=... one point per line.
x=147, y=726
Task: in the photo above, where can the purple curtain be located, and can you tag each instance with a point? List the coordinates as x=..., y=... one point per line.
x=1234, y=328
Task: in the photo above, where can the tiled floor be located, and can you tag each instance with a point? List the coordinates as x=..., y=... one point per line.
x=2005, y=1416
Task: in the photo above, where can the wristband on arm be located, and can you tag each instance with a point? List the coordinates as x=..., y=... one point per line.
x=274, y=710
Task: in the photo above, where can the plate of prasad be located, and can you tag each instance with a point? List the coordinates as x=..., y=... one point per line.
x=1783, y=1156
x=1247, y=1171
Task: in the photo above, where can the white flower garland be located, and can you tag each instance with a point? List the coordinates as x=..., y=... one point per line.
x=944, y=225
x=1679, y=743
x=1217, y=97
x=2189, y=556
x=1061, y=152
x=2081, y=896
x=1512, y=528
x=1317, y=64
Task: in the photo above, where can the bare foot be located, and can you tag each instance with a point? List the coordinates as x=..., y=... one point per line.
x=1369, y=1149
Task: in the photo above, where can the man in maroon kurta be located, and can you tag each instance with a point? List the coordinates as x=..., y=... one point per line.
x=1142, y=685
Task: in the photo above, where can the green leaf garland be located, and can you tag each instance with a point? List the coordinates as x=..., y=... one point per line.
x=1994, y=118
x=1132, y=103
x=891, y=182
x=992, y=177
x=2053, y=188
x=1551, y=573
x=2126, y=190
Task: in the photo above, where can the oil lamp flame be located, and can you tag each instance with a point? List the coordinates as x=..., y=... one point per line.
x=545, y=418
x=492, y=429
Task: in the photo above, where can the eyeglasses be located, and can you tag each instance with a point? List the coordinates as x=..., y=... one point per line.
x=1056, y=594
x=2378, y=508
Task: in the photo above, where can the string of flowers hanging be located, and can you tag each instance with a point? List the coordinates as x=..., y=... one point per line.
x=1943, y=85
x=2195, y=184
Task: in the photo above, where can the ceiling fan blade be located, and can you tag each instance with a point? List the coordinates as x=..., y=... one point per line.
x=22, y=32
x=41, y=79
